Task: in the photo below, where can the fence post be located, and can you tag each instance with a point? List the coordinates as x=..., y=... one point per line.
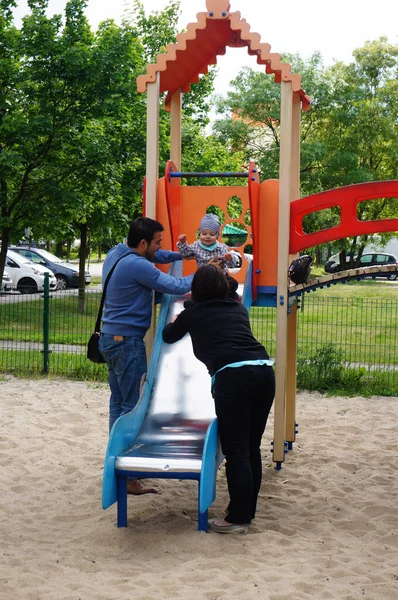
x=46, y=323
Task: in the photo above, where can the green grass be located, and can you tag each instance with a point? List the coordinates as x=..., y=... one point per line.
x=24, y=320
x=366, y=288
x=358, y=321
x=71, y=366
x=339, y=334
x=365, y=329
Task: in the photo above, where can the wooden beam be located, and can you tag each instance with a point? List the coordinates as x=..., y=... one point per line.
x=285, y=184
x=152, y=176
x=152, y=147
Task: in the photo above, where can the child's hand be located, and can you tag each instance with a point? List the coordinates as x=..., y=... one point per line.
x=182, y=238
x=216, y=261
x=227, y=256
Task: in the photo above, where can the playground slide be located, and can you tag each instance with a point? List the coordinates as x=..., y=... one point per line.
x=172, y=432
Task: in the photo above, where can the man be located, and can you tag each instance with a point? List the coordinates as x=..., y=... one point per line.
x=128, y=311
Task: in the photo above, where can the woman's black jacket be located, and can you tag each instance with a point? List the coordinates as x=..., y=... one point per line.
x=220, y=333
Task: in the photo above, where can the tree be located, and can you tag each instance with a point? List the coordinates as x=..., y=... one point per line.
x=66, y=103
x=347, y=135
x=201, y=152
x=156, y=31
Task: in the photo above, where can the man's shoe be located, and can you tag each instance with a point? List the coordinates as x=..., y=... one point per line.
x=135, y=487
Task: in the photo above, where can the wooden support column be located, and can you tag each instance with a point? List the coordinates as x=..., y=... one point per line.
x=285, y=170
x=152, y=175
x=291, y=374
x=175, y=128
x=152, y=147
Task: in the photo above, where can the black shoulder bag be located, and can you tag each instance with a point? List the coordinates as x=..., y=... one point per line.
x=93, y=352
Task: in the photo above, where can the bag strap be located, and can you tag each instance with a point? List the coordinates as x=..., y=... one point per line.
x=101, y=308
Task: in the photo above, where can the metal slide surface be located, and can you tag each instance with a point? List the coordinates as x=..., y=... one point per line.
x=173, y=428
x=181, y=408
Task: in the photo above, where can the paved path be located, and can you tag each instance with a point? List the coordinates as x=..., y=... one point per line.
x=31, y=346
x=95, y=269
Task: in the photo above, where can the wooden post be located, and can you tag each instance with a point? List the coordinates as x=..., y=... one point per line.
x=175, y=129
x=285, y=170
x=291, y=374
x=152, y=175
x=152, y=147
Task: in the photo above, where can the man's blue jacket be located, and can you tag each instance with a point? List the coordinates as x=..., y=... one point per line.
x=128, y=301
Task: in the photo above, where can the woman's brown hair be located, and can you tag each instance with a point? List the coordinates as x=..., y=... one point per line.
x=209, y=283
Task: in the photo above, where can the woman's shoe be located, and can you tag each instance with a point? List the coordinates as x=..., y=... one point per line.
x=219, y=527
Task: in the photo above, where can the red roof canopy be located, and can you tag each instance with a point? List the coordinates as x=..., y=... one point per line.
x=198, y=48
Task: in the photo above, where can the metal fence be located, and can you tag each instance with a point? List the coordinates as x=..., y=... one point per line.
x=347, y=343
x=48, y=334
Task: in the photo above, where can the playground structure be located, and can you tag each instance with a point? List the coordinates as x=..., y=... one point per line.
x=275, y=231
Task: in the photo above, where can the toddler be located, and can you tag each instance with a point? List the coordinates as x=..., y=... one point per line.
x=207, y=246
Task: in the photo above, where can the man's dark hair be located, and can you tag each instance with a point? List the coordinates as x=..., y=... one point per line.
x=209, y=283
x=142, y=229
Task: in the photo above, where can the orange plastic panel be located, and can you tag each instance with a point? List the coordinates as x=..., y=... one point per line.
x=254, y=201
x=347, y=198
x=194, y=202
x=268, y=233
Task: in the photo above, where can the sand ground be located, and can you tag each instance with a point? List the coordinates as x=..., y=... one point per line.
x=326, y=526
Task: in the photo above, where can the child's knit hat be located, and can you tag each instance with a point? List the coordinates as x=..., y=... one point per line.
x=211, y=222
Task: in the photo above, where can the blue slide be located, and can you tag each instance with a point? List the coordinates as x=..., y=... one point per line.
x=172, y=432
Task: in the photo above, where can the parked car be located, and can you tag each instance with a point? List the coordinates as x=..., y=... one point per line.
x=67, y=274
x=6, y=285
x=368, y=259
x=26, y=277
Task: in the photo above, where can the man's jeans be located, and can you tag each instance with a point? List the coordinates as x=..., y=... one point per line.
x=127, y=363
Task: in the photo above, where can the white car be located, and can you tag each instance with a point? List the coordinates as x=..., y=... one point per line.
x=6, y=285
x=26, y=277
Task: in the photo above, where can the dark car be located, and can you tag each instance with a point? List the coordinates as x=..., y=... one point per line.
x=368, y=259
x=67, y=274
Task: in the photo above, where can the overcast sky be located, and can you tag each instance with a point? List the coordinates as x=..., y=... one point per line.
x=334, y=28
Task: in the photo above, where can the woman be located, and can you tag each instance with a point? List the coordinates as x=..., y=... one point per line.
x=243, y=386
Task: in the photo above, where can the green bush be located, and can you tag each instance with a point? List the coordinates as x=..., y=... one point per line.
x=327, y=372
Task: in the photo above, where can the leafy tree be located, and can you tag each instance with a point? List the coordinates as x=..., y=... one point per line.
x=361, y=130
x=156, y=31
x=71, y=122
x=201, y=152
x=72, y=125
x=347, y=135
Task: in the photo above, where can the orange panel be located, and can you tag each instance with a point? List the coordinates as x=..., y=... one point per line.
x=195, y=201
x=268, y=233
x=254, y=202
